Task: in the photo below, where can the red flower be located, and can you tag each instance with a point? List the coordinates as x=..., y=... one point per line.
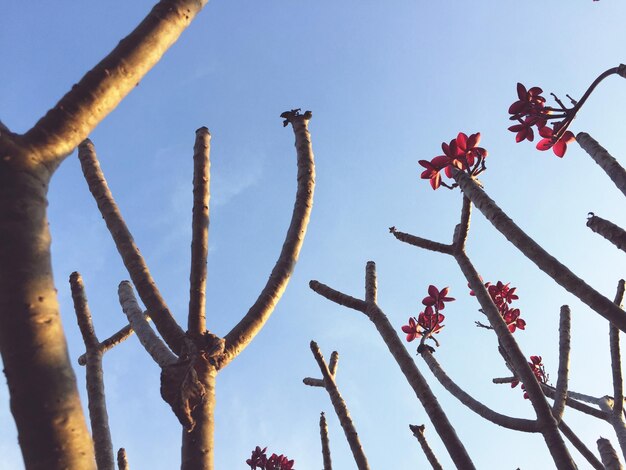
x=431, y=172
x=430, y=320
x=560, y=146
x=512, y=320
x=412, y=330
x=536, y=366
x=529, y=102
x=258, y=458
x=279, y=462
x=437, y=298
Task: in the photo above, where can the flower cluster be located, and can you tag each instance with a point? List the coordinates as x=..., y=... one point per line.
x=530, y=110
x=429, y=321
x=461, y=154
x=540, y=373
x=258, y=460
x=503, y=295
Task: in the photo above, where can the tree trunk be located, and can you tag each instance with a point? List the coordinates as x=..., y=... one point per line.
x=45, y=403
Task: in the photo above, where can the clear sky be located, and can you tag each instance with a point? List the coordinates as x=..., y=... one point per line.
x=387, y=83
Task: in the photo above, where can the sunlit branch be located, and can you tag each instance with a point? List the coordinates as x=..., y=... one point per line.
x=99, y=418
x=613, y=233
x=341, y=409
x=517, y=424
x=371, y=284
x=560, y=394
x=88, y=102
x=461, y=231
x=418, y=432
x=200, y=232
x=122, y=335
x=325, y=443
x=604, y=159
x=241, y=335
x=134, y=262
x=609, y=457
x=338, y=297
x=149, y=340
x=332, y=368
x=546, y=262
x=616, y=357
x=421, y=242
x=580, y=446
x=574, y=402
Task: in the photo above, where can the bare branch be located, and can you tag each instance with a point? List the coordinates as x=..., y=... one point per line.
x=517, y=424
x=604, y=159
x=134, y=262
x=113, y=340
x=334, y=361
x=338, y=297
x=608, y=455
x=241, y=335
x=418, y=432
x=371, y=286
x=311, y=382
x=103, y=87
x=325, y=444
x=616, y=357
x=421, y=242
x=98, y=415
x=200, y=232
x=341, y=409
x=580, y=446
x=613, y=233
x=122, y=461
x=560, y=398
x=150, y=341
x=546, y=262
x=575, y=404
x=461, y=231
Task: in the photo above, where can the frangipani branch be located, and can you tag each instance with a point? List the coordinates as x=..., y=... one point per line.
x=560, y=395
x=134, y=262
x=613, y=233
x=418, y=432
x=609, y=457
x=580, y=446
x=332, y=368
x=122, y=461
x=546, y=262
x=91, y=99
x=604, y=159
x=200, y=232
x=241, y=335
x=341, y=409
x=517, y=424
x=325, y=443
x=616, y=357
x=98, y=415
x=407, y=365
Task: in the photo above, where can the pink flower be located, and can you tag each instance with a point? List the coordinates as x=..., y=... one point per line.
x=560, y=146
x=437, y=298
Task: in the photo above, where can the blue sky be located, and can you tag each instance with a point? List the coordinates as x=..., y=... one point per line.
x=387, y=83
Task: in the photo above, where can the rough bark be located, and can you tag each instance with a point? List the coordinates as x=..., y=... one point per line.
x=608, y=455
x=613, y=233
x=418, y=432
x=604, y=159
x=580, y=446
x=560, y=394
x=122, y=461
x=325, y=444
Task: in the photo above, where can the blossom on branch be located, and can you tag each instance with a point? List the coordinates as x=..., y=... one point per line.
x=502, y=296
x=260, y=461
x=538, y=369
x=428, y=322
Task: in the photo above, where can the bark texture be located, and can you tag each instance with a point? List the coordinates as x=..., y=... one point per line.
x=613, y=233
x=604, y=159
x=418, y=432
x=325, y=443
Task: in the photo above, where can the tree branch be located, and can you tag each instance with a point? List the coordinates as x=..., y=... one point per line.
x=325, y=443
x=122, y=335
x=134, y=262
x=616, y=357
x=122, y=461
x=608, y=455
x=604, y=159
x=517, y=424
x=560, y=395
x=149, y=340
x=94, y=378
x=575, y=404
x=338, y=297
x=613, y=233
x=418, y=432
x=421, y=242
x=90, y=100
x=580, y=446
x=200, y=232
x=341, y=409
x=241, y=335
x=461, y=231
x=546, y=262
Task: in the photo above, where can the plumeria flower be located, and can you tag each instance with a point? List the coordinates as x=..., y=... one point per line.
x=412, y=330
x=560, y=146
x=512, y=319
x=437, y=298
x=258, y=458
x=430, y=320
x=539, y=371
x=461, y=154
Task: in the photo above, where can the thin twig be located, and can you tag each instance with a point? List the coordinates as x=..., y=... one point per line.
x=418, y=432
x=325, y=443
x=122, y=335
x=580, y=446
x=421, y=242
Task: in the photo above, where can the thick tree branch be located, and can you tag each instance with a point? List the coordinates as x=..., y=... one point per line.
x=150, y=341
x=546, y=262
x=604, y=159
x=325, y=443
x=418, y=432
x=90, y=100
x=613, y=233
x=608, y=455
x=517, y=424
x=94, y=378
x=134, y=262
x=241, y=335
x=122, y=461
x=341, y=409
x=560, y=394
x=200, y=232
